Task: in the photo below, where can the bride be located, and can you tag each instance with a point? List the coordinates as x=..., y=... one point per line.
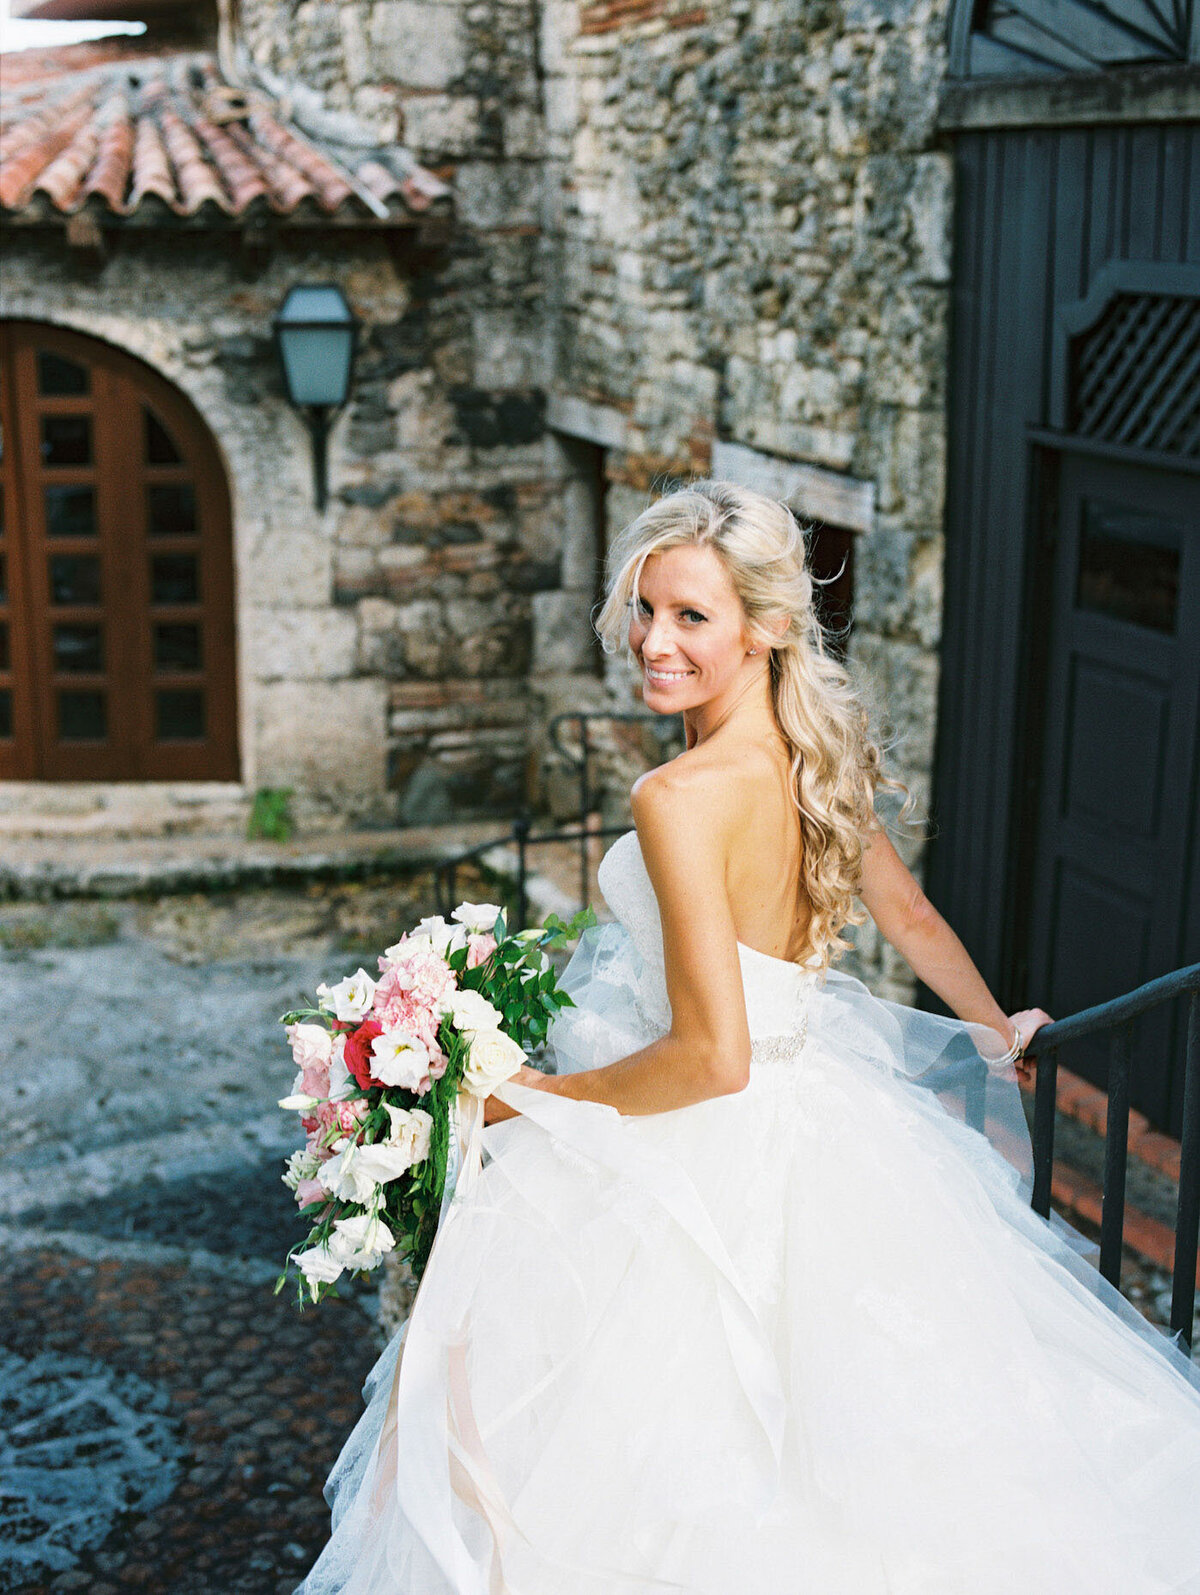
x=739, y=1304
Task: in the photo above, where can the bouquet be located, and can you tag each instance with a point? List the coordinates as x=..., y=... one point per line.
x=392, y=1077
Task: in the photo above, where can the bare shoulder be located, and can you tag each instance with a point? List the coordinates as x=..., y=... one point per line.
x=694, y=794
x=691, y=783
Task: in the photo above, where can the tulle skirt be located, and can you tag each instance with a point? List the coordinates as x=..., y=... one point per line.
x=803, y=1340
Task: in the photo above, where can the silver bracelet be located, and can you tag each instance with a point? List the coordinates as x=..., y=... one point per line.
x=1016, y=1048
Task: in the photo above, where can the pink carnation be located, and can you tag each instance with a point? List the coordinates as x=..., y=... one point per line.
x=422, y=973
x=399, y=1007
x=479, y=950
x=343, y=1116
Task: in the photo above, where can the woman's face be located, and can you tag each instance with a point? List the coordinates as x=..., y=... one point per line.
x=687, y=629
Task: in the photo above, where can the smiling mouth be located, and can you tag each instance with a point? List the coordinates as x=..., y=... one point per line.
x=665, y=677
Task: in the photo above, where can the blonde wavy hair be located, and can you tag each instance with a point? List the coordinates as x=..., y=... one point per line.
x=835, y=766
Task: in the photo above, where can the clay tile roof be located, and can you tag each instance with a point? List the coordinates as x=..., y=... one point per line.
x=113, y=125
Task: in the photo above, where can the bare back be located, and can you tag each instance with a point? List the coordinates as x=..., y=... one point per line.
x=771, y=910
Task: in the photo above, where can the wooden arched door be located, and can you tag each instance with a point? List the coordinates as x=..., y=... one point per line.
x=116, y=571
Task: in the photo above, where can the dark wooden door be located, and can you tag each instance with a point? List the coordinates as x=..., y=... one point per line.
x=119, y=597
x=1121, y=747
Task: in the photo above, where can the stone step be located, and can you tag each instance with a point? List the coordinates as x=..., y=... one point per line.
x=40, y=868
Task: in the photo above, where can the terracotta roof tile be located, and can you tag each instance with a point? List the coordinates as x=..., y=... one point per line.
x=118, y=124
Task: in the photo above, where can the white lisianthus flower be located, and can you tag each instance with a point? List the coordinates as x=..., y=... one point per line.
x=302, y=1165
x=399, y=1059
x=312, y=1045
x=356, y=1172
x=299, y=1103
x=360, y=1242
x=492, y=1058
x=470, y=1010
x=429, y=934
x=319, y=1267
x=341, y=1081
x=410, y=1132
x=351, y=998
x=478, y=919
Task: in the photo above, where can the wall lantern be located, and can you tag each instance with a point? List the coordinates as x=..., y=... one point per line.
x=315, y=334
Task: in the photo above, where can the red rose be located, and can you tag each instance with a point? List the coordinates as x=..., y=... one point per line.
x=358, y=1052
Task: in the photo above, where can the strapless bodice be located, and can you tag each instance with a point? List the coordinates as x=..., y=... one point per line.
x=777, y=991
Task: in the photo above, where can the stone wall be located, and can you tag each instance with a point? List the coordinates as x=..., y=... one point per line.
x=689, y=239
x=383, y=645
x=461, y=84
x=748, y=255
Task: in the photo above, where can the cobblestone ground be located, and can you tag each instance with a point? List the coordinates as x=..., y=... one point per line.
x=167, y=1421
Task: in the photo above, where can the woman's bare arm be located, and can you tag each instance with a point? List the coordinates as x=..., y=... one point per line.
x=906, y=917
x=683, y=821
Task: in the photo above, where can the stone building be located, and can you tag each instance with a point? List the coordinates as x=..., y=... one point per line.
x=889, y=261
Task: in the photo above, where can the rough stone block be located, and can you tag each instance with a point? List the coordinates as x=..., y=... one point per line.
x=509, y=349
x=418, y=43
x=899, y=685
x=930, y=205
x=299, y=644
x=563, y=639
x=898, y=584
x=441, y=125
x=326, y=738
x=498, y=193
x=288, y=562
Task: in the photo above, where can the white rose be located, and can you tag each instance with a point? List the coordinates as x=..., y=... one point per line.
x=319, y=1267
x=470, y=1010
x=350, y=998
x=312, y=1045
x=360, y=1242
x=399, y=1059
x=478, y=919
x=410, y=1132
x=492, y=1059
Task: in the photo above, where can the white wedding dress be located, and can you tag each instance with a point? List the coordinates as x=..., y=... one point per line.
x=807, y=1339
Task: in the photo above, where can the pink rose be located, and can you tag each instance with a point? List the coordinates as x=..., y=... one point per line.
x=310, y=1191
x=479, y=950
x=312, y=1045
x=313, y=1081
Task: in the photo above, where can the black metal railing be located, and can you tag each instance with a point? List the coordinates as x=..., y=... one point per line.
x=521, y=835
x=1117, y=1017
x=581, y=756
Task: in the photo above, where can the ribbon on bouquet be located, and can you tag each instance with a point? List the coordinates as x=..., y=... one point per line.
x=464, y=1155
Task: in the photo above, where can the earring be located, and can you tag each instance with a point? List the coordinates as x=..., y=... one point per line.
x=754, y=650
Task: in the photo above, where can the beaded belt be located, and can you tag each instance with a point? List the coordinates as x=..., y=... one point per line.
x=780, y=1049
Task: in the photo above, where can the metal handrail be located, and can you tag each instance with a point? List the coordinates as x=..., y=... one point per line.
x=1117, y=1017
x=581, y=759
x=522, y=837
